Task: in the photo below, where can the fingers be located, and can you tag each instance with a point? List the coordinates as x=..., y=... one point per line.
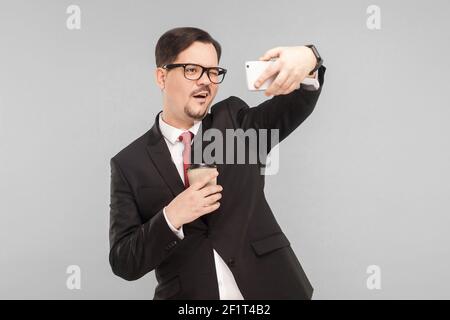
x=211, y=202
x=212, y=199
x=208, y=190
x=271, y=70
x=202, y=182
x=294, y=86
x=279, y=84
x=210, y=208
x=272, y=53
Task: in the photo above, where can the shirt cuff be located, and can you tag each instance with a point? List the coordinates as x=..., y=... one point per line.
x=178, y=232
x=312, y=84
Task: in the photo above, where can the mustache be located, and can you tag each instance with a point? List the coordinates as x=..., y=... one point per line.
x=201, y=90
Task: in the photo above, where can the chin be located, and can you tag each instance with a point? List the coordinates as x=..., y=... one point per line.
x=197, y=112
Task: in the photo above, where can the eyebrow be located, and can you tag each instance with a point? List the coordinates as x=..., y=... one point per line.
x=215, y=66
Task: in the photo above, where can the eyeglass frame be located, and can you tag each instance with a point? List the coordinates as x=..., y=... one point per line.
x=176, y=65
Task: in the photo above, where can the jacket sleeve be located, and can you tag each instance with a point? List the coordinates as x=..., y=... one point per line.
x=283, y=112
x=136, y=248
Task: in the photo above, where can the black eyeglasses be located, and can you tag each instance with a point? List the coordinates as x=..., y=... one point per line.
x=194, y=71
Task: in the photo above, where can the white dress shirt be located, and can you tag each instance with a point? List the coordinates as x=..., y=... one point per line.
x=228, y=288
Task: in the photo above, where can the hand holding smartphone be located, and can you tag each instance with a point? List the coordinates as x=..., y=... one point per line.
x=255, y=68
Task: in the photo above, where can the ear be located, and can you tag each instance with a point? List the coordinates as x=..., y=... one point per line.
x=160, y=77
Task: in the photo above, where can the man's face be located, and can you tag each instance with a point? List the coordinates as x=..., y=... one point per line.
x=179, y=92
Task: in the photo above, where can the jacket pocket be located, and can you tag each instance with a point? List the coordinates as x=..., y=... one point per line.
x=270, y=243
x=168, y=289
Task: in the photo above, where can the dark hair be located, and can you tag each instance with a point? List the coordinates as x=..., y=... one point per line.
x=174, y=41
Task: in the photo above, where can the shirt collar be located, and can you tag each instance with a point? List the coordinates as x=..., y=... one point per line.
x=172, y=133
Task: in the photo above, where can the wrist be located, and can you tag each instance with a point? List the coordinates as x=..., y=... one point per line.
x=172, y=218
x=317, y=58
x=312, y=60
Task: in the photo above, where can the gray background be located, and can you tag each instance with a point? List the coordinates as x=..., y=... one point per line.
x=363, y=181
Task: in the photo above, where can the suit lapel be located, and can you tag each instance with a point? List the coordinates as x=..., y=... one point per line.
x=160, y=155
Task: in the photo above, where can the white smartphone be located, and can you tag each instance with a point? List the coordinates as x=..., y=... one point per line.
x=255, y=68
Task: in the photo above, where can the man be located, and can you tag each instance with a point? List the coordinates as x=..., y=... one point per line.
x=208, y=241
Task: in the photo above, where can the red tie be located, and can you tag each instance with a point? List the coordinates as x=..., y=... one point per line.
x=186, y=138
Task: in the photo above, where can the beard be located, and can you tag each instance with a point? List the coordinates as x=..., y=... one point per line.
x=193, y=114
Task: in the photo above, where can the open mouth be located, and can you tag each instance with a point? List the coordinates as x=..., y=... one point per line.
x=201, y=97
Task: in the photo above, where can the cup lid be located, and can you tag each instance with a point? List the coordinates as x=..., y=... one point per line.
x=201, y=165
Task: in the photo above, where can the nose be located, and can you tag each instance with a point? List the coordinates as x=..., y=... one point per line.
x=204, y=79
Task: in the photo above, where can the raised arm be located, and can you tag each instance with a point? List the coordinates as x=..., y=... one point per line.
x=292, y=102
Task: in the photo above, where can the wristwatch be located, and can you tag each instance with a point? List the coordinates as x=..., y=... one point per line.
x=318, y=58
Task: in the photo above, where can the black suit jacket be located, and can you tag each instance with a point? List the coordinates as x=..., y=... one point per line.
x=243, y=230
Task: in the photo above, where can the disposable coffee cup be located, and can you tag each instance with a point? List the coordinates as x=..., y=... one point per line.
x=196, y=172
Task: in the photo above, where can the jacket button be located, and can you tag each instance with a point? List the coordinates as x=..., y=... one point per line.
x=231, y=262
x=171, y=245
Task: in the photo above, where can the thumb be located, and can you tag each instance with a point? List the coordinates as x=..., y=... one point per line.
x=272, y=53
